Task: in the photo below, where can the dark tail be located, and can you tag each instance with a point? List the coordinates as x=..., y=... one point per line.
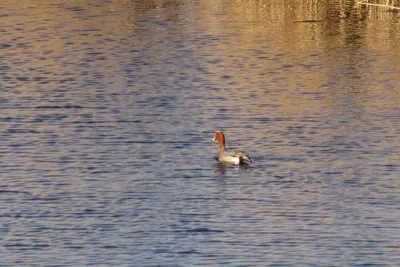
x=245, y=160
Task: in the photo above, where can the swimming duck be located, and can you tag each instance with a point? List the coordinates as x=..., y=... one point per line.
x=234, y=157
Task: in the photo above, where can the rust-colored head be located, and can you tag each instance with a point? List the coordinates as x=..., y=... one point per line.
x=220, y=137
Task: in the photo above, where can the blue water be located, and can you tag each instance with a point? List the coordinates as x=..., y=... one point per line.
x=107, y=109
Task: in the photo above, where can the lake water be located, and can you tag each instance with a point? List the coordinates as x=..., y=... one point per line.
x=107, y=109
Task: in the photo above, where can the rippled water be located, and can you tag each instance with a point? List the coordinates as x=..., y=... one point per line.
x=107, y=109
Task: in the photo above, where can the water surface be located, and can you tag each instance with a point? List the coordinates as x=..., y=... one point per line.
x=107, y=109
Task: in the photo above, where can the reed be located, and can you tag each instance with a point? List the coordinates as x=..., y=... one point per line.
x=390, y=4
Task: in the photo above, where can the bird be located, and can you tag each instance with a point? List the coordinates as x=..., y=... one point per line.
x=225, y=156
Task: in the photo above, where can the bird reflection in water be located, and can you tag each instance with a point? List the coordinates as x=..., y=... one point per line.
x=221, y=168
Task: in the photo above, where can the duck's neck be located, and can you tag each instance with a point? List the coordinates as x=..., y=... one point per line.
x=221, y=139
x=221, y=144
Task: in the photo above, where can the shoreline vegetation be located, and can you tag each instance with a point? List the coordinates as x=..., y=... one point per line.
x=388, y=4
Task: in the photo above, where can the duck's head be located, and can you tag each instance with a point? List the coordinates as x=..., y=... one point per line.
x=220, y=137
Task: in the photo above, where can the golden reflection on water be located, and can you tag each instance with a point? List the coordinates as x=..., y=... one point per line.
x=292, y=58
x=291, y=53
x=316, y=30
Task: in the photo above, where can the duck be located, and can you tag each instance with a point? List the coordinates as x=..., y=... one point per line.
x=232, y=157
